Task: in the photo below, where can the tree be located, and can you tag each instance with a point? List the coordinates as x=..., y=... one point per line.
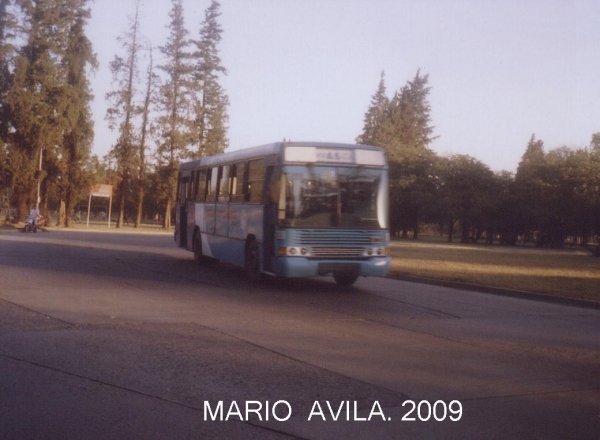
x=408, y=130
x=376, y=117
x=402, y=127
x=529, y=182
x=467, y=192
x=211, y=102
x=78, y=134
x=123, y=110
x=145, y=111
x=593, y=189
x=36, y=99
x=7, y=54
x=175, y=105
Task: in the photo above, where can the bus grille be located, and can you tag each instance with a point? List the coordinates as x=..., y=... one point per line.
x=332, y=244
x=334, y=238
x=337, y=252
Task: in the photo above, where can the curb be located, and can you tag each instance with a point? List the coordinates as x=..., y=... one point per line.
x=498, y=291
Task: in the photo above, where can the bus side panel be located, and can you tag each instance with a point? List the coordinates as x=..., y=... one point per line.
x=203, y=215
x=238, y=221
x=225, y=249
x=254, y=221
x=222, y=219
x=209, y=218
x=190, y=224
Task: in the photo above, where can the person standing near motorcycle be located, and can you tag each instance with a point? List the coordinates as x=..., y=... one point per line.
x=33, y=220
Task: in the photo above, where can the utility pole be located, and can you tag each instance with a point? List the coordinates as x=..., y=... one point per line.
x=39, y=182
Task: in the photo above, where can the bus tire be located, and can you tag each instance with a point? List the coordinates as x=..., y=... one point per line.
x=197, y=247
x=345, y=279
x=252, y=261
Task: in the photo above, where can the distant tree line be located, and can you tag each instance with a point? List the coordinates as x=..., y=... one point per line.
x=553, y=198
x=176, y=109
x=165, y=113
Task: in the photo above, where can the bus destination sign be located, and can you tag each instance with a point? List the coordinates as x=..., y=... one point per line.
x=335, y=155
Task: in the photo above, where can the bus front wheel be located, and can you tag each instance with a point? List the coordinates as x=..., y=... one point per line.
x=345, y=279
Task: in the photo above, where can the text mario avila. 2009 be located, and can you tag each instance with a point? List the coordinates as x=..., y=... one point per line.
x=326, y=411
x=281, y=411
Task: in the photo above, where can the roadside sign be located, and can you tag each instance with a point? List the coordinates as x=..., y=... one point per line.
x=100, y=190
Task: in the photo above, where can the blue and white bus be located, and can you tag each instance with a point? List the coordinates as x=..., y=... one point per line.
x=288, y=209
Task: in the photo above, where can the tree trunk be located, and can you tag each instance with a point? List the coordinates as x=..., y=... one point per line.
x=121, y=215
x=62, y=214
x=140, y=203
x=167, y=222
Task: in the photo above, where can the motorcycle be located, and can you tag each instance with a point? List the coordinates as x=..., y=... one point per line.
x=32, y=223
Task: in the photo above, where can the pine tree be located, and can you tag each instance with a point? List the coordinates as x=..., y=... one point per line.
x=211, y=100
x=175, y=121
x=123, y=111
x=408, y=131
x=7, y=54
x=530, y=187
x=145, y=111
x=376, y=117
x=402, y=127
x=35, y=99
x=78, y=135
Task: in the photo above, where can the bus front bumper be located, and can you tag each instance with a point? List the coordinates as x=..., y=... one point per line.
x=299, y=267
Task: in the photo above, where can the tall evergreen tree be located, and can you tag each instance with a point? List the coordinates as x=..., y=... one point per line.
x=35, y=99
x=77, y=60
x=123, y=111
x=175, y=105
x=211, y=100
x=402, y=126
x=376, y=119
x=409, y=128
x=145, y=111
x=7, y=53
x=529, y=187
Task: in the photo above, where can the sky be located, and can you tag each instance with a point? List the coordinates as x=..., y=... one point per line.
x=306, y=70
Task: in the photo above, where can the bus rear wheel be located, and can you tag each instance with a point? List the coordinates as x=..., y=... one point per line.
x=197, y=247
x=345, y=279
x=252, y=261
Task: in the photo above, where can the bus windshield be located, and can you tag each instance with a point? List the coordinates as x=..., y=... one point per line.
x=333, y=197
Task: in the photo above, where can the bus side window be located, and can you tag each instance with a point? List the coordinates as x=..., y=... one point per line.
x=256, y=176
x=212, y=189
x=201, y=191
x=236, y=182
x=193, y=186
x=183, y=189
x=224, y=183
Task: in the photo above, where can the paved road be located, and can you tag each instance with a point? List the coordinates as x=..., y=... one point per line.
x=107, y=335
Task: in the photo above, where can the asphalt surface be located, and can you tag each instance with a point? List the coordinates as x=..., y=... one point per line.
x=111, y=335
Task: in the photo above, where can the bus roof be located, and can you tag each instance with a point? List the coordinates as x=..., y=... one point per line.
x=275, y=148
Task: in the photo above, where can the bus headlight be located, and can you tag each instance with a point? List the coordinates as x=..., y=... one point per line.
x=293, y=252
x=375, y=252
